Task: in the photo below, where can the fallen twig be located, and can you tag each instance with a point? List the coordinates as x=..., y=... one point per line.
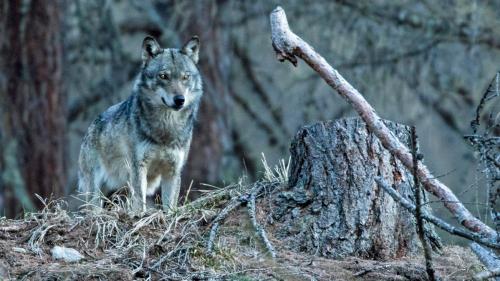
x=435, y=220
x=289, y=46
x=487, y=258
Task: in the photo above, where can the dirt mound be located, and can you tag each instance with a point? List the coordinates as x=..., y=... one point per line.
x=119, y=246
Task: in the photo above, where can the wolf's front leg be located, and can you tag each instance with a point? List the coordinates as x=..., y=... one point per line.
x=89, y=183
x=139, y=187
x=170, y=188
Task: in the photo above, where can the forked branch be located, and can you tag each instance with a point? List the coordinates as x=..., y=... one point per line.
x=289, y=46
x=235, y=202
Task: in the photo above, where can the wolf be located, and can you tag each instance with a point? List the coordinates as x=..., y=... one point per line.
x=143, y=142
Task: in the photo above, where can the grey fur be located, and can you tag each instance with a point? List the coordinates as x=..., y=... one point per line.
x=143, y=142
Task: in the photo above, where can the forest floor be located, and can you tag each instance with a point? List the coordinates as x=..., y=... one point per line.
x=116, y=245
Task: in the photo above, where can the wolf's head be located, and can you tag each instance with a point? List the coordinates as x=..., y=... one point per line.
x=169, y=77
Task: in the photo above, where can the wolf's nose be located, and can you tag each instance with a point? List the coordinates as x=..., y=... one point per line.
x=179, y=100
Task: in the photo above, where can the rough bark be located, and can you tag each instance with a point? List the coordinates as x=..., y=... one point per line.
x=289, y=46
x=333, y=207
x=33, y=104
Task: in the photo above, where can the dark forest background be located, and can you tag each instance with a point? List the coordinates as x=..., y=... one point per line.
x=423, y=63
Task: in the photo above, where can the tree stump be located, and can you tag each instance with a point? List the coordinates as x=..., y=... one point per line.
x=333, y=207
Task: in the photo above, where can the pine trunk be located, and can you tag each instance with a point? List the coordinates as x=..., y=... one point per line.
x=33, y=104
x=334, y=208
x=211, y=135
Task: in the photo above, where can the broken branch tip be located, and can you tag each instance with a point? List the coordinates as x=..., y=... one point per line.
x=278, y=9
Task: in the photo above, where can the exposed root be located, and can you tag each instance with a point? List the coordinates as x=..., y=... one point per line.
x=218, y=220
x=258, y=228
x=248, y=199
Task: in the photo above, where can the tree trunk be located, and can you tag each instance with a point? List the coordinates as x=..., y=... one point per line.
x=33, y=106
x=211, y=138
x=334, y=208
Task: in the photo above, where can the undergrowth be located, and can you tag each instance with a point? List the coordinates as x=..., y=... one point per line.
x=120, y=245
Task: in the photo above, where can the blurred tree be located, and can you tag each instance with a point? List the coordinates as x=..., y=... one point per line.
x=212, y=137
x=96, y=72
x=33, y=106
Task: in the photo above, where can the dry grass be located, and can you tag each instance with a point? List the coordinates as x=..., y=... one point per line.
x=119, y=245
x=279, y=173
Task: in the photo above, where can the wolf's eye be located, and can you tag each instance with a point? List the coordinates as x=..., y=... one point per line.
x=163, y=76
x=186, y=76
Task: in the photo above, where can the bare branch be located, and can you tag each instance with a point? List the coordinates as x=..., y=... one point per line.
x=435, y=220
x=492, y=91
x=289, y=46
x=487, y=258
x=418, y=209
x=486, y=143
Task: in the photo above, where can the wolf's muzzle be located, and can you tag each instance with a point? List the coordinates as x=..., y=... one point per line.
x=179, y=101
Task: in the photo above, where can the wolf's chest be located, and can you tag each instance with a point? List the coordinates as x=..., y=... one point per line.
x=162, y=160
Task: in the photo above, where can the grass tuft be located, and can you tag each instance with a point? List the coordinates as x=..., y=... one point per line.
x=279, y=173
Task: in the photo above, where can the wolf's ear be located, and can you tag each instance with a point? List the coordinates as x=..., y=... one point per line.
x=150, y=48
x=192, y=48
